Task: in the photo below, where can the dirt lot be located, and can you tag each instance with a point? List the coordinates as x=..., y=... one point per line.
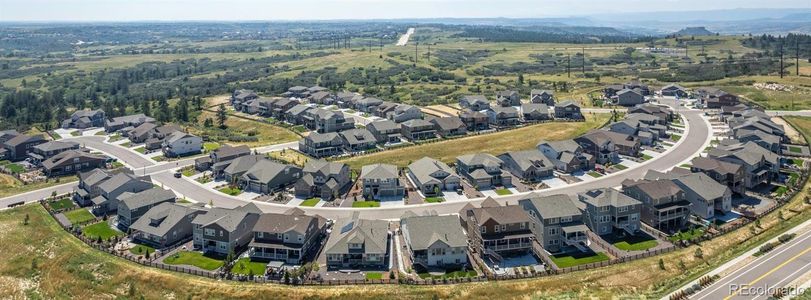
x=792, y=133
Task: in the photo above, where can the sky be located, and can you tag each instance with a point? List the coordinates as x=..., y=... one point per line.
x=241, y=10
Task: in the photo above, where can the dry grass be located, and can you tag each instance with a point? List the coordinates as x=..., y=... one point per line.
x=267, y=134
x=496, y=143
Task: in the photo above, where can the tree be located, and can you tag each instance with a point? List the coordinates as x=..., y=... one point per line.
x=662, y=264
x=520, y=78
x=146, y=254
x=208, y=123
x=26, y=219
x=699, y=253
x=221, y=116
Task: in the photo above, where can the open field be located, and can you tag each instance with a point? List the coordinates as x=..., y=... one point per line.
x=266, y=134
x=495, y=143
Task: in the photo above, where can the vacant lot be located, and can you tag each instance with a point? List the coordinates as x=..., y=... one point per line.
x=265, y=134
x=495, y=143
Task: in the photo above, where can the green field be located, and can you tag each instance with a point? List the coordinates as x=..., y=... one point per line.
x=633, y=243
x=233, y=191
x=503, y=192
x=101, y=229
x=565, y=260
x=434, y=200
x=245, y=266
x=374, y=275
x=79, y=216
x=195, y=259
x=594, y=174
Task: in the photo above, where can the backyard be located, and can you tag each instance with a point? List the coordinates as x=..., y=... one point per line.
x=434, y=200
x=579, y=258
x=100, y=230
x=637, y=242
x=196, y=259
x=142, y=249
x=245, y=266
x=687, y=234
x=503, y=192
x=79, y=216
x=60, y=204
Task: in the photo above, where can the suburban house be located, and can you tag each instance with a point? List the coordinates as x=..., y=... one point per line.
x=298, y=92
x=179, y=143
x=664, y=204
x=359, y=139
x=432, y=177
x=82, y=119
x=142, y=132
x=330, y=121
x=268, y=176
x=705, y=195
x=435, y=241
x=404, y=112
x=118, y=186
x=381, y=181
x=501, y=116
x=715, y=98
x=568, y=110
x=599, y=145
x=474, y=102
x=730, y=174
x=483, y=170
x=449, y=126
x=72, y=162
x=280, y=106
x=88, y=187
x=41, y=152
x=629, y=97
x=608, y=210
x=285, y=237
x=19, y=147
x=763, y=139
x=164, y=225
x=6, y=135
x=223, y=154
x=224, y=230
x=474, y=120
x=238, y=166
x=542, y=97
x=663, y=113
x=534, y=112
x=296, y=114
x=368, y=104
x=385, y=131
x=131, y=121
x=384, y=109
x=567, y=156
x=674, y=90
x=760, y=165
x=358, y=243
x=322, y=97
x=417, y=130
x=133, y=206
x=241, y=96
x=495, y=230
x=528, y=165
x=326, y=180
x=322, y=144
x=558, y=222
x=508, y=98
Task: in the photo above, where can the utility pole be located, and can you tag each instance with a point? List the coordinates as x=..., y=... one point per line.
x=584, y=59
x=429, y=53
x=568, y=65
x=370, y=46
x=781, y=60
x=416, y=45
x=797, y=57
x=348, y=43
x=381, y=44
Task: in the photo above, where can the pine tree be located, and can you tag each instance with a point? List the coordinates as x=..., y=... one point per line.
x=221, y=116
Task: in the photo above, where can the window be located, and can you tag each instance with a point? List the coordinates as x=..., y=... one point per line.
x=566, y=219
x=279, y=236
x=554, y=221
x=553, y=231
x=622, y=209
x=209, y=232
x=484, y=229
x=523, y=225
x=504, y=227
x=604, y=208
x=497, y=228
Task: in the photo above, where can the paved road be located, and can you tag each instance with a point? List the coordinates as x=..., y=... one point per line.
x=774, y=270
x=37, y=195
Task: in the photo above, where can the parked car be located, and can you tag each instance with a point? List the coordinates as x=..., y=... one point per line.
x=178, y=174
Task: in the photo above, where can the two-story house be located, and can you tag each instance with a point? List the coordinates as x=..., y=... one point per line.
x=432, y=177
x=417, y=130
x=359, y=139
x=224, y=230
x=483, y=170
x=267, y=176
x=404, y=112
x=599, y=145
x=474, y=120
x=179, y=143
x=385, y=131
x=674, y=90
x=495, y=230
x=331, y=121
x=357, y=242
x=508, y=98
x=503, y=116
x=608, y=210
x=327, y=180
x=434, y=241
x=727, y=173
x=568, y=110
x=566, y=155
x=223, y=154
x=112, y=190
x=133, y=206
x=18, y=147
x=72, y=162
x=449, y=126
x=664, y=205
x=82, y=119
x=532, y=112
x=474, y=102
x=542, y=97
x=285, y=237
x=165, y=224
x=558, y=223
x=381, y=181
x=528, y=165
x=322, y=144
x=44, y=151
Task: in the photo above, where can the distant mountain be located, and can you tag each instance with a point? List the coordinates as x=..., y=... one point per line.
x=696, y=31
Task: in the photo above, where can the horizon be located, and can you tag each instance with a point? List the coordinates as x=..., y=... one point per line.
x=177, y=11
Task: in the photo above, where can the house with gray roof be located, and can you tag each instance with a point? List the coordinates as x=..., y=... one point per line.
x=705, y=195
x=330, y=121
x=18, y=147
x=628, y=97
x=762, y=138
x=474, y=120
x=417, y=130
x=117, y=187
x=664, y=204
x=474, y=102
x=133, y=206
x=432, y=177
x=449, y=126
x=435, y=241
x=600, y=145
x=508, y=98
x=88, y=187
x=674, y=90
x=298, y=91
x=367, y=104
x=501, y=116
x=567, y=156
x=72, y=162
x=404, y=112
x=528, y=165
x=238, y=166
x=117, y=123
x=82, y=119
x=41, y=152
x=531, y=112
x=224, y=230
x=568, y=110
x=384, y=109
x=323, y=179
x=760, y=164
x=358, y=139
x=179, y=144
x=222, y=154
x=267, y=176
x=240, y=96
x=320, y=145
x=165, y=225
x=322, y=97
x=727, y=173
x=495, y=230
x=289, y=238
x=662, y=113
x=483, y=170
x=385, y=131
x=542, y=97
x=558, y=223
x=295, y=115
x=381, y=181
x=608, y=211
x=356, y=242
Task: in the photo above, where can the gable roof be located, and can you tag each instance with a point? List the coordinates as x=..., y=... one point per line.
x=159, y=219
x=56, y=145
x=424, y=231
x=373, y=234
x=227, y=218
x=266, y=170
x=554, y=206
x=148, y=197
x=24, y=138
x=485, y=159
x=358, y=136
x=424, y=167
x=281, y=223
x=379, y=171
x=242, y=164
x=68, y=155
x=448, y=123
x=607, y=197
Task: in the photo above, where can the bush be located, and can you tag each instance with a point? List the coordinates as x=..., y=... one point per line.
x=786, y=237
x=766, y=248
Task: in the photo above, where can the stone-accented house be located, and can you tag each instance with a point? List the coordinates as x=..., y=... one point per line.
x=44, y=151
x=727, y=173
x=474, y=102
x=164, y=225
x=629, y=97
x=404, y=112
x=531, y=112
x=358, y=243
x=323, y=179
x=674, y=90
x=483, y=170
x=474, y=120
x=435, y=241
x=568, y=110
x=432, y=177
x=664, y=204
x=82, y=119
x=179, y=143
x=220, y=155
x=287, y=238
x=19, y=147
x=118, y=123
x=359, y=139
x=528, y=165
x=417, y=130
x=224, y=230
x=608, y=210
x=136, y=205
x=268, y=176
x=322, y=144
x=449, y=126
x=495, y=230
x=508, y=98
x=542, y=97
x=566, y=155
x=72, y=162
x=385, y=131
x=381, y=181
x=558, y=223
x=503, y=116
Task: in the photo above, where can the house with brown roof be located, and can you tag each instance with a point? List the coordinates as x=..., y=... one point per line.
x=286, y=237
x=664, y=204
x=495, y=230
x=726, y=173
x=72, y=162
x=449, y=126
x=558, y=223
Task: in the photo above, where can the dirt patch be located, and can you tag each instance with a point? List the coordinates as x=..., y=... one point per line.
x=791, y=132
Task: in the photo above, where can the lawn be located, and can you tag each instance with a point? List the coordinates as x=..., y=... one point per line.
x=188, y=172
x=101, y=229
x=435, y=199
x=594, y=174
x=245, y=266
x=299, y=128
x=780, y=191
x=565, y=260
x=795, y=149
x=79, y=216
x=210, y=146
x=792, y=178
x=675, y=137
x=116, y=165
x=62, y=204
x=141, y=250
x=158, y=158
x=797, y=162
x=55, y=135
x=204, y=179
x=620, y=167
x=374, y=276
x=310, y=202
x=126, y=144
x=632, y=244
x=646, y=157
x=14, y=168
x=75, y=133
x=494, y=143
x=365, y=204
x=114, y=137
x=503, y=192
x=196, y=259
x=233, y=191
x=141, y=150
x=687, y=235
